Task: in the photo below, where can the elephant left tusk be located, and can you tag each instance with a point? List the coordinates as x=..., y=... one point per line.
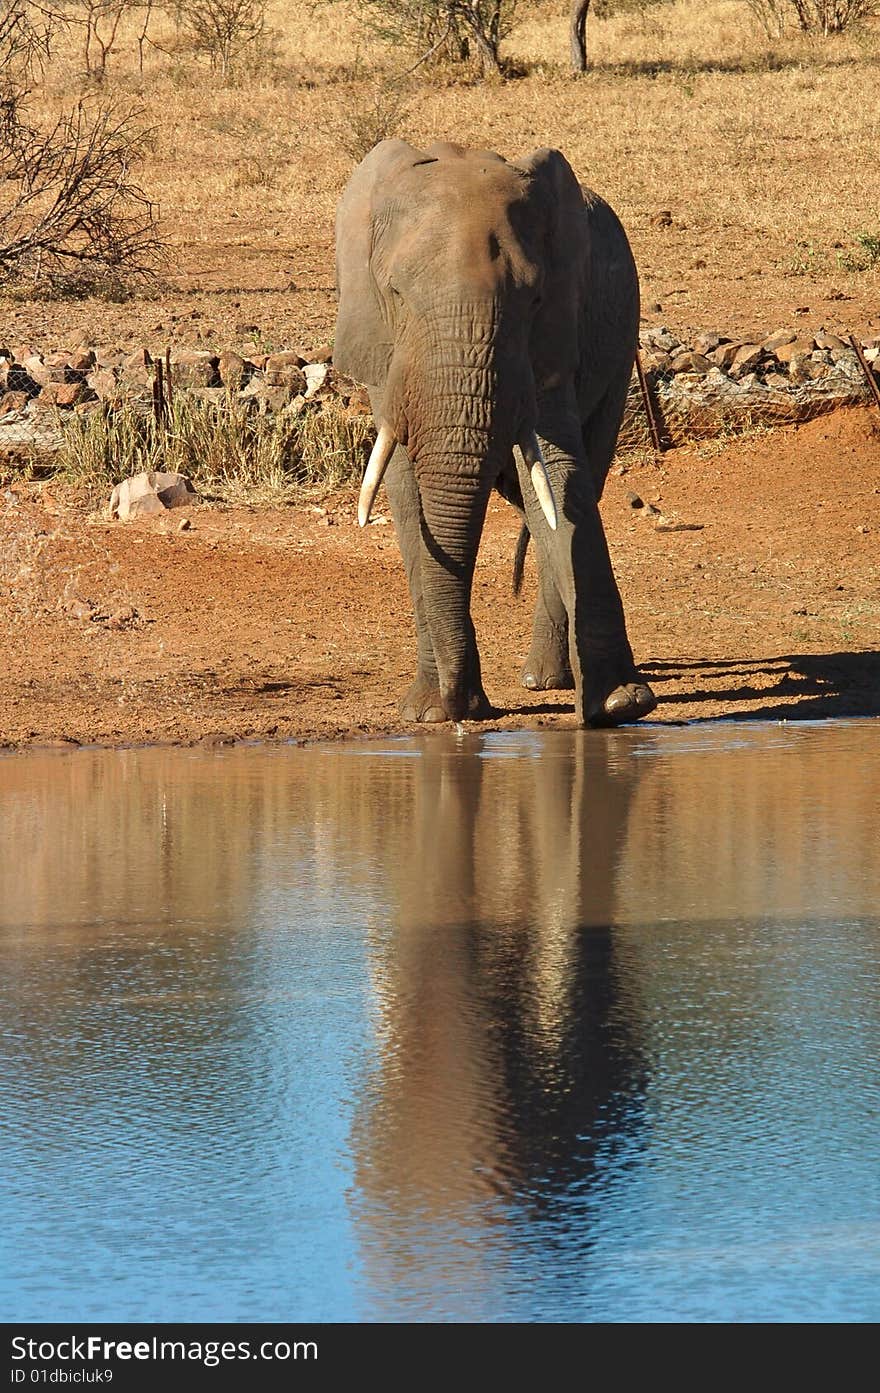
x=531, y=452
x=376, y=466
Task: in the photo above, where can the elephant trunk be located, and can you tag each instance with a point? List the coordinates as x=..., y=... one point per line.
x=454, y=490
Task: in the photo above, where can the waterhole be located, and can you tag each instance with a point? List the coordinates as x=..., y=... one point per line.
x=568, y=1026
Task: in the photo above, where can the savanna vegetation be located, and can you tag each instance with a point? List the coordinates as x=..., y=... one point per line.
x=171, y=171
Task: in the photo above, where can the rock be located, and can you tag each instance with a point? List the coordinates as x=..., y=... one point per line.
x=244, y=330
x=267, y=398
x=746, y=359
x=103, y=382
x=871, y=354
x=80, y=609
x=123, y=618
x=141, y=358
x=18, y=379
x=691, y=362
x=109, y=358
x=800, y=367
x=82, y=360
x=663, y=218
x=195, y=368
x=13, y=401
x=36, y=369
x=724, y=354
x=64, y=393
x=777, y=381
x=778, y=340
x=234, y=370
x=322, y=354
x=831, y=342
x=184, y=525
x=284, y=370
x=705, y=343
x=656, y=362
x=212, y=396
x=151, y=493
x=797, y=347
x=660, y=337
x=315, y=375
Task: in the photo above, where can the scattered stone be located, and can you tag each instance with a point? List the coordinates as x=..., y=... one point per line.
x=705, y=343
x=234, y=370
x=195, y=368
x=724, y=354
x=151, y=492
x=746, y=359
x=80, y=609
x=13, y=401
x=795, y=348
x=661, y=219
x=65, y=394
x=184, y=525
x=778, y=340
x=322, y=354
x=315, y=375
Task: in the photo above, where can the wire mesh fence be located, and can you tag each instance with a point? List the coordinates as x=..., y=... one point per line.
x=726, y=387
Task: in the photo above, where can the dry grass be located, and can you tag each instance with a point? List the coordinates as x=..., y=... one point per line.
x=230, y=451
x=757, y=149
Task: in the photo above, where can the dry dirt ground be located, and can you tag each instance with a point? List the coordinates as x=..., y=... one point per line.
x=283, y=623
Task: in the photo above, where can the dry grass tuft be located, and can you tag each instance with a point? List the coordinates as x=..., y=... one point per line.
x=229, y=450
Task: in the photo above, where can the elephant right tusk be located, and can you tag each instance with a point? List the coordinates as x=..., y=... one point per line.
x=376, y=466
x=531, y=453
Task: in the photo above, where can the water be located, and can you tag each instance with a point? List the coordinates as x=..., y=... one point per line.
x=565, y=1026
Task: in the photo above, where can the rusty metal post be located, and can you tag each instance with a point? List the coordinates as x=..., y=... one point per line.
x=866, y=369
x=656, y=440
x=168, y=382
x=158, y=395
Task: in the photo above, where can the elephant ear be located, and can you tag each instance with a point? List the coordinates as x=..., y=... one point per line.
x=364, y=332
x=556, y=206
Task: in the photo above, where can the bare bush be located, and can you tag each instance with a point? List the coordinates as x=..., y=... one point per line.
x=457, y=29
x=69, y=202
x=811, y=16
x=360, y=122
x=224, y=30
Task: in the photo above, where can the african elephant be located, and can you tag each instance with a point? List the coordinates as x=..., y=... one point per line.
x=487, y=304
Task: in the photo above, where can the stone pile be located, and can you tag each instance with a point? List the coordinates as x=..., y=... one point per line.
x=713, y=382
x=699, y=386
x=38, y=391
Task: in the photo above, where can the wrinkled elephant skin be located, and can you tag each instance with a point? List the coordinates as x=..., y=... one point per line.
x=492, y=310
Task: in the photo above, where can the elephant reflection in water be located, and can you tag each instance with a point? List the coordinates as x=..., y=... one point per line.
x=506, y=1060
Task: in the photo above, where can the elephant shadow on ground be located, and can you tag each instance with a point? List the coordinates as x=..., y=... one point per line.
x=793, y=686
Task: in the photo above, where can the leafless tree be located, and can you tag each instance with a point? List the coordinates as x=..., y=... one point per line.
x=223, y=29
x=812, y=16
x=68, y=194
x=459, y=28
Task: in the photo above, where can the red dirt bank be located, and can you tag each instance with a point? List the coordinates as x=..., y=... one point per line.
x=277, y=624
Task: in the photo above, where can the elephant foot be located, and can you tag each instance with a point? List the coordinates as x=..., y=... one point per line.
x=628, y=702
x=540, y=679
x=424, y=703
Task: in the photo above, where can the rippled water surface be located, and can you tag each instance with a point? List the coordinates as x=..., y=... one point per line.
x=566, y=1026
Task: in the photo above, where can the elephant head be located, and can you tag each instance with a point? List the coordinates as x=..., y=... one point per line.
x=480, y=305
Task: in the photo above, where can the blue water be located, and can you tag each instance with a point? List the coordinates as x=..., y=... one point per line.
x=572, y=1026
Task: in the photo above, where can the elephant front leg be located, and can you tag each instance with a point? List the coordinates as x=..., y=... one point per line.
x=423, y=701
x=547, y=666
x=575, y=559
